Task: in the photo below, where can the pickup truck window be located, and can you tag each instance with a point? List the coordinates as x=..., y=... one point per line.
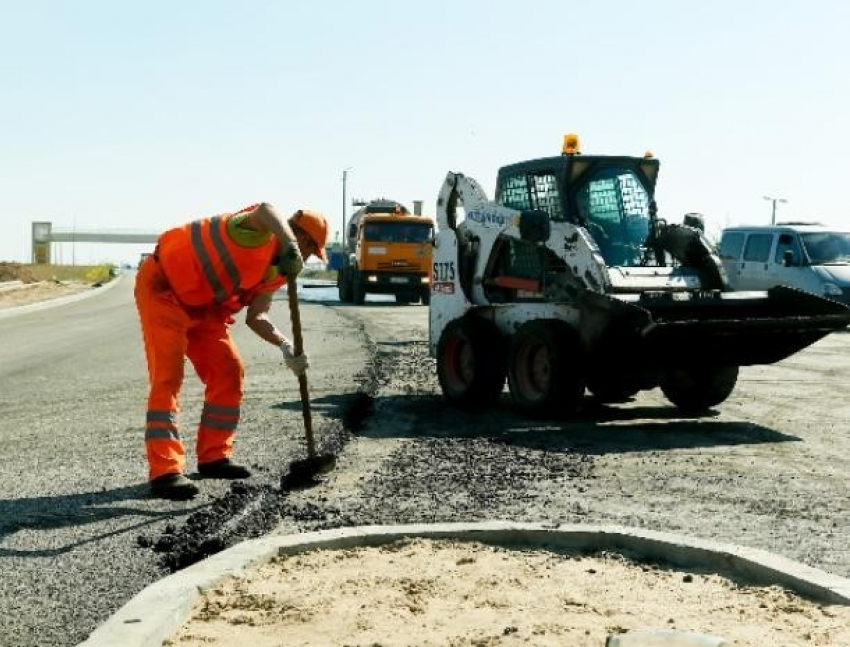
x=758, y=248
x=827, y=247
x=787, y=242
x=731, y=246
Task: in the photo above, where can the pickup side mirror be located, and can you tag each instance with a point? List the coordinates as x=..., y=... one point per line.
x=788, y=258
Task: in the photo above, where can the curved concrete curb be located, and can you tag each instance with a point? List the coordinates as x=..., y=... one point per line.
x=161, y=609
x=50, y=303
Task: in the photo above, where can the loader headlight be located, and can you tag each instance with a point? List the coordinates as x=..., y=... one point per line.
x=424, y=279
x=372, y=278
x=831, y=290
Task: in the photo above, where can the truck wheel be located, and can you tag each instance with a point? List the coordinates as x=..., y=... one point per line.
x=544, y=367
x=358, y=288
x=404, y=299
x=343, y=285
x=426, y=295
x=469, y=362
x=698, y=389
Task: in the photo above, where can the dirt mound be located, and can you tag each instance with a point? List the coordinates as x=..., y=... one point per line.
x=15, y=272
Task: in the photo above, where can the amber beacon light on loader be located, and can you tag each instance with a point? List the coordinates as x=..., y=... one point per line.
x=569, y=280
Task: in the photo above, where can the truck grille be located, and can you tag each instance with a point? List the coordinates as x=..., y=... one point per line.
x=400, y=266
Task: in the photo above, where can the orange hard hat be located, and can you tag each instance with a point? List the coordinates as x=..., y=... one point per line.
x=316, y=227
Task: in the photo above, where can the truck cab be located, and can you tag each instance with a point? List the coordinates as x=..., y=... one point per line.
x=388, y=251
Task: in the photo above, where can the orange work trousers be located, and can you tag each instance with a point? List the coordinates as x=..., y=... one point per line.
x=172, y=332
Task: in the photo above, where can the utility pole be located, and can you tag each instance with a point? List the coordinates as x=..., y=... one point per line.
x=773, y=212
x=344, y=201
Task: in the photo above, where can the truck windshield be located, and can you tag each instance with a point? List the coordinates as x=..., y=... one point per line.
x=614, y=206
x=397, y=232
x=827, y=247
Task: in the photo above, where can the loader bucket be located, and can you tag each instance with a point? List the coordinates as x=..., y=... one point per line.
x=663, y=331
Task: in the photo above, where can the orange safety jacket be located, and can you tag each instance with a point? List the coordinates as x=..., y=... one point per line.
x=205, y=266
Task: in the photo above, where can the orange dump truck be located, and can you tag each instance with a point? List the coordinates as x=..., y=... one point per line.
x=387, y=251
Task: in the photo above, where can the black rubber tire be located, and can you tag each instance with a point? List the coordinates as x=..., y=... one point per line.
x=695, y=390
x=358, y=288
x=343, y=285
x=404, y=299
x=470, y=364
x=545, y=369
x=426, y=295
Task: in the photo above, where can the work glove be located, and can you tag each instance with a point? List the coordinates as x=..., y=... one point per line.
x=295, y=363
x=290, y=263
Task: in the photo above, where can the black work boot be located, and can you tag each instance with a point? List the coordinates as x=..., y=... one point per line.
x=223, y=469
x=173, y=486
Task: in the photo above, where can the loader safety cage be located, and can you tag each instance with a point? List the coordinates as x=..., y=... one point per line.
x=612, y=196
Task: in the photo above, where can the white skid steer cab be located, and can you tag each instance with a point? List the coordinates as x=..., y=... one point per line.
x=569, y=281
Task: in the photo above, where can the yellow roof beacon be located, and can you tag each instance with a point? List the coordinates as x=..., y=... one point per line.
x=571, y=145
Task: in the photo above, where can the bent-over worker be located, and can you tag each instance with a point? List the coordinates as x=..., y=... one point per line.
x=186, y=292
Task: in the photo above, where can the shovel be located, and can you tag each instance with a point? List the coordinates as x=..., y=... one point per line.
x=302, y=472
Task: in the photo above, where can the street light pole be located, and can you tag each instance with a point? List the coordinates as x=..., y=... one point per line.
x=773, y=212
x=344, y=201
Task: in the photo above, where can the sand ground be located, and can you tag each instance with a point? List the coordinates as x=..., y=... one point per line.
x=426, y=592
x=40, y=291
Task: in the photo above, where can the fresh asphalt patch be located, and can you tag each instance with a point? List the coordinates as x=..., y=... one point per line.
x=451, y=466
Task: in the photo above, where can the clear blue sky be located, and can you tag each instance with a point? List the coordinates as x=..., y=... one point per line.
x=148, y=114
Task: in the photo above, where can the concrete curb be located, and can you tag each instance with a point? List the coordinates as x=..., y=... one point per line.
x=160, y=610
x=50, y=303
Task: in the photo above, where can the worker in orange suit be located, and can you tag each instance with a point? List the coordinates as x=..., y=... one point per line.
x=187, y=292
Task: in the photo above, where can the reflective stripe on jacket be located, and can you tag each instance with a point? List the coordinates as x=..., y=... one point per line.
x=205, y=266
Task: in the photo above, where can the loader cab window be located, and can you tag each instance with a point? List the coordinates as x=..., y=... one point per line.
x=614, y=206
x=514, y=193
x=532, y=191
x=545, y=195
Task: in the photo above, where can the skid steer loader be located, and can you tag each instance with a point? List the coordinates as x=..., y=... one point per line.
x=570, y=280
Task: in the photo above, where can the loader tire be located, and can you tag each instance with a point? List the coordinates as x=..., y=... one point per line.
x=697, y=389
x=544, y=368
x=426, y=295
x=470, y=367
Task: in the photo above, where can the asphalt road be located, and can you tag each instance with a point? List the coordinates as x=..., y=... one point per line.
x=769, y=468
x=73, y=496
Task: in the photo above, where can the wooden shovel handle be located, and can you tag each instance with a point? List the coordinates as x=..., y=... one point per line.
x=298, y=340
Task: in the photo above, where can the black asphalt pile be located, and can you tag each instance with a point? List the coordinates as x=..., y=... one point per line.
x=454, y=465
x=246, y=512
x=249, y=511
x=435, y=480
